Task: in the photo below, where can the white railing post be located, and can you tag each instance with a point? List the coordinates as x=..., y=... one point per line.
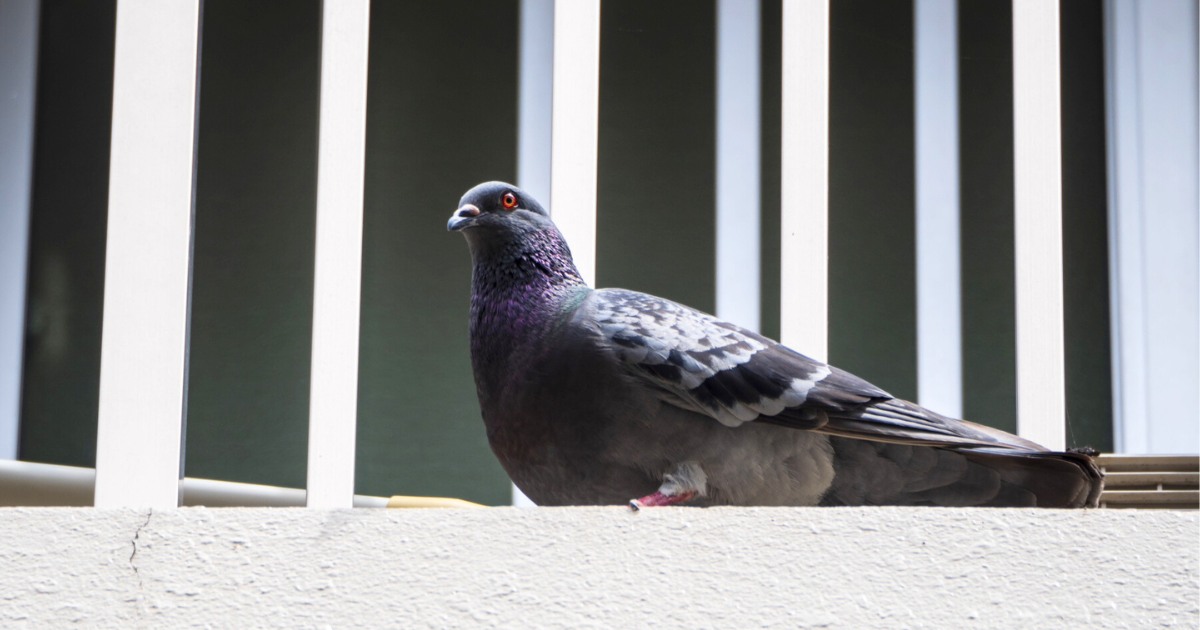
x=1153, y=157
x=804, y=198
x=1037, y=155
x=738, y=181
x=939, y=306
x=18, y=84
x=533, y=115
x=575, y=119
x=333, y=393
x=1125, y=231
x=534, y=109
x=147, y=262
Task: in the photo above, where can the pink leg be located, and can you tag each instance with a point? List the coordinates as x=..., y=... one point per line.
x=659, y=499
x=685, y=481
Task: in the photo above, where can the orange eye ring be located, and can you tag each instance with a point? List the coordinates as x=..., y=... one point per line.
x=509, y=201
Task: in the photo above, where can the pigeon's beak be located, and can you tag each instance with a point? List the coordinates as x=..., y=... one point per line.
x=462, y=218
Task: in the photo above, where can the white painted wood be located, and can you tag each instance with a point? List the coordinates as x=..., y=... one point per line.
x=1126, y=290
x=533, y=115
x=333, y=398
x=1037, y=137
x=939, y=303
x=576, y=110
x=804, y=200
x=738, y=158
x=1151, y=66
x=147, y=264
x=18, y=85
x=1167, y=83
x=535, y=98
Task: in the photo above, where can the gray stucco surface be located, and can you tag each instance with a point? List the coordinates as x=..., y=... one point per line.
x=598, y=567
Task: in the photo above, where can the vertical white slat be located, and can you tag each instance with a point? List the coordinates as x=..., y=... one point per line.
x=1151, y=66
x=1167, y=88
x=333, y=394
x=143, y=356
x=18, y=84
x=738, y=183
x=804, y=198
x=1037, y=155
x=1126, y=289
x=939, y=304
x=533, y=115
x=575, y=116
x=535, y=97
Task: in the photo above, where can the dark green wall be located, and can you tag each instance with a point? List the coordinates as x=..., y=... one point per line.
x=1085, y=227
x=872, y=253
x=656, y=199
x=769, y=157
x=441, y=117
x=986, y=223
x=252, y=271
x=60, y=389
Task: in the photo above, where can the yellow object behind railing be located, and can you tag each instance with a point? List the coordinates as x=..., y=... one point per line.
x=400, y=501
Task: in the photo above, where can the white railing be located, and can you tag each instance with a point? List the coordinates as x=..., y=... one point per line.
x=738, y=136
x=1037, y=139
x=575, y=120
x=333, y=395
x=18, y=72
x=1152, y=134
x=144, y=357
x=804, y=166
x=939, y=299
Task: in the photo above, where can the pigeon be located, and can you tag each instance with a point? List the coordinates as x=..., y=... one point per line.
x=614, y=397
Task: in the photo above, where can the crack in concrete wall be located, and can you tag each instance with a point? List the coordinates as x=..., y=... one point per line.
x=134, y=544
x=140, y=599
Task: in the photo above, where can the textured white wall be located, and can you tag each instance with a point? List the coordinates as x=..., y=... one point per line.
x=597, y=567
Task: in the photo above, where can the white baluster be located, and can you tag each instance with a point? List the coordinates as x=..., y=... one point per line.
x=1037, y=155
x=804, y=198
x=333, y=398
x=147, y=261
x=576, y=109
x=738, y=158
x=18, y=82
x=939, y=305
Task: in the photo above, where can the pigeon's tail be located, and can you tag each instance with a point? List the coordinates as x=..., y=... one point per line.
x=928, y=459
x=888, y=473
x=1058, y=479
x=1065, y=480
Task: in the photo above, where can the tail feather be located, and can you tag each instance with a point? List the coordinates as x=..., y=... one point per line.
x=949, y=462
x=1067, y=480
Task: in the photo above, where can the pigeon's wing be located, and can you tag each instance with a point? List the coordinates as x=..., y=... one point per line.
x=700, y=363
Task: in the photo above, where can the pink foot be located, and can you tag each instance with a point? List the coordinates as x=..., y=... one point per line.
x=659, y=499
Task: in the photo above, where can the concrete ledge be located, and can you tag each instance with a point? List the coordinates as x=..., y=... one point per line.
x=598, y=567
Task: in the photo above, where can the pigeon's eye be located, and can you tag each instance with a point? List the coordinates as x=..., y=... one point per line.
x=509, y=201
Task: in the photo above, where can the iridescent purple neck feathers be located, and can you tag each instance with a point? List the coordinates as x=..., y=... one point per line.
x=520, y=288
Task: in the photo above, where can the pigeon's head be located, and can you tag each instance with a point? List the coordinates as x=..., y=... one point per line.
x=506, y=229
x=497, y=212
